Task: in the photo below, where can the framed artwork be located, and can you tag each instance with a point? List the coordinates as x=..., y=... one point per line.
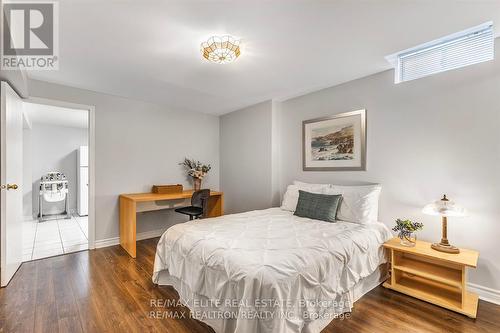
x=335, y=143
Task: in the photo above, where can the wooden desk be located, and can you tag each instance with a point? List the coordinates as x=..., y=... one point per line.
x=433, y=276
x=130, y=204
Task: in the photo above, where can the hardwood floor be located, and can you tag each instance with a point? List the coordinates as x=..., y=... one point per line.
x=107, y=291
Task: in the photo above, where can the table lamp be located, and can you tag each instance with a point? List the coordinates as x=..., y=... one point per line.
x=444, y=208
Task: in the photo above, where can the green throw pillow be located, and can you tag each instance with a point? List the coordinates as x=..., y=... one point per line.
x=318, y=206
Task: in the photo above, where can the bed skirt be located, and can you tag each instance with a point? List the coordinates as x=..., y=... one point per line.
x=200, y=305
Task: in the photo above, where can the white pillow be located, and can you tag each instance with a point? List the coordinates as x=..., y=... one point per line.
x=308, y=186
x=291, y=196
x=359, y=203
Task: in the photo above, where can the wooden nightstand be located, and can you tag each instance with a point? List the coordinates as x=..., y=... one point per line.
x=432, y=276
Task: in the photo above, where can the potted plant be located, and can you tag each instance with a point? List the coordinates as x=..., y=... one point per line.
x=407, y=231
x=196, y=170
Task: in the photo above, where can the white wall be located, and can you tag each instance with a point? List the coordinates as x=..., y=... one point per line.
x=139, y=144
x=246, y=158
x=54, y=148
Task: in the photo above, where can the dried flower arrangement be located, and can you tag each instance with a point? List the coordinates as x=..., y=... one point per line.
x=196, y=169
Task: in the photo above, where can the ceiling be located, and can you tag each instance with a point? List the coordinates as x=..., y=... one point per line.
x=149, y=50
x=54, y=115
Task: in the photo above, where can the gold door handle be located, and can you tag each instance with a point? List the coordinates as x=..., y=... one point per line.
x=9, y=187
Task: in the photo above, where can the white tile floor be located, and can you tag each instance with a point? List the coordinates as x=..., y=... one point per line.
x=51, y=238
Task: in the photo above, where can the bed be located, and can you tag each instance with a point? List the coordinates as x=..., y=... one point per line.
x=271, y=271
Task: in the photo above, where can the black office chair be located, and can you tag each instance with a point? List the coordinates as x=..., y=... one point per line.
x=199, y=205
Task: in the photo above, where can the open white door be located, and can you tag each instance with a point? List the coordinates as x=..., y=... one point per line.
x=11, y=175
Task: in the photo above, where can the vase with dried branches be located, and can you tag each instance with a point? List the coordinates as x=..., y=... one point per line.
x=196, y=170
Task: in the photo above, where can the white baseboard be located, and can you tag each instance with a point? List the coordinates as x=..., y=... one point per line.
x=100, y=243
x=485, y=293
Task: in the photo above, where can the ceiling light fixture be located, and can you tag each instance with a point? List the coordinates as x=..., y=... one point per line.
x=221, y=49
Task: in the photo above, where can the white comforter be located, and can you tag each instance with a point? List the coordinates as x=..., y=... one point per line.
x=267, y=270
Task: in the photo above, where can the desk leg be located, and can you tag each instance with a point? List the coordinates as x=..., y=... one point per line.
x=216, y=206
x=128, y=225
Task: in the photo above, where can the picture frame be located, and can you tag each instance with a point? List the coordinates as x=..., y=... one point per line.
x=335, y=143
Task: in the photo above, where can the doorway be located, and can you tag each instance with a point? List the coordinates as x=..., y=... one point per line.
x=55, y=178
x=17, y=181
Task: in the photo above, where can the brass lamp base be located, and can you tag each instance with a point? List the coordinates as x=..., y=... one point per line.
x=444, y=245
x=445, y=248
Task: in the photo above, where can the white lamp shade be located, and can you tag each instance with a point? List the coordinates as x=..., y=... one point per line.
x=444, y=207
